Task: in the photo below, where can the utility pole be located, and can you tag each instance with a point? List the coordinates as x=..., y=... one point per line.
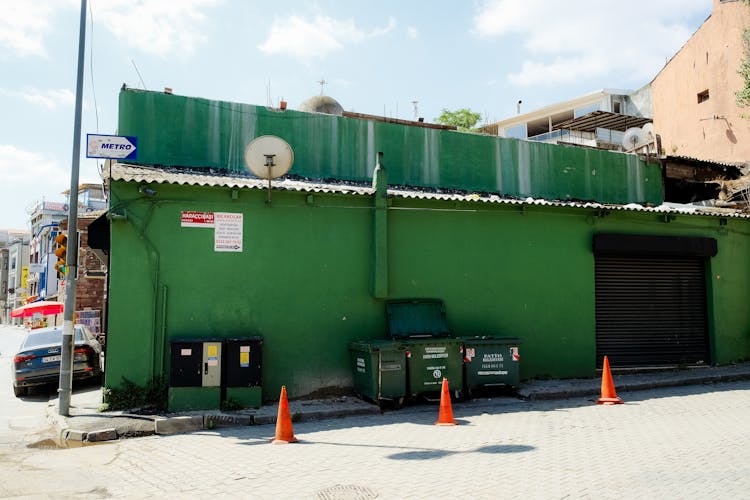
x=71, y=258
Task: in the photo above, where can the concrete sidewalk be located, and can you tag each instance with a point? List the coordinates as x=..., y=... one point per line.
x=87, y=423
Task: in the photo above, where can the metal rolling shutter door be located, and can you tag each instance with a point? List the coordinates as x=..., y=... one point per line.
x=651, y=310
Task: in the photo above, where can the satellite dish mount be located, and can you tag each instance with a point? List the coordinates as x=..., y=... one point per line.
x=269, y=164
x=269, y=157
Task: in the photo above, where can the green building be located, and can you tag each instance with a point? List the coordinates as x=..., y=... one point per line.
x=569, y=249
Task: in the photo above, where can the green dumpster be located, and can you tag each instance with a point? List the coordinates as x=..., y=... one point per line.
x=379, y=370
x=431, y=354
x=490, y=362
x=431, y=360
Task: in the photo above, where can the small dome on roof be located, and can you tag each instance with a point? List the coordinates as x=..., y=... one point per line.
x=321, y=104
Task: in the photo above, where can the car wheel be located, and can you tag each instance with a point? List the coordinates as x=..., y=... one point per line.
x=20, y=391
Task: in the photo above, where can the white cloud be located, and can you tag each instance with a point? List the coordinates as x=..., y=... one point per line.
x=17, y=165
x=297, y=37
x=158, y=27
x=20, y=169
x=23, y=26
x=48, y=99
x=565, y=42
x=26, y=176
x=412, y=32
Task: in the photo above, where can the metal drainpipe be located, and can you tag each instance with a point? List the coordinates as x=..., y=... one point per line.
x=380, y=235
x=155, y=259
x=163, y=329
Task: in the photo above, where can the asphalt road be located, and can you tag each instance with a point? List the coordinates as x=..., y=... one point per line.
x=21, y=419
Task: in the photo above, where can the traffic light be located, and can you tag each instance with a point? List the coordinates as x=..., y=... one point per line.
x=61, y=251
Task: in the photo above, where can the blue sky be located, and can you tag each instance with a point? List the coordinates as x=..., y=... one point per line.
x=377, y=58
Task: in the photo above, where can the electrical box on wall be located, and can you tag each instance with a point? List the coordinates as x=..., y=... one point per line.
x=205, y=372
x=243, y=369
x=243, y=362
x=195, y=363
x=211, y=375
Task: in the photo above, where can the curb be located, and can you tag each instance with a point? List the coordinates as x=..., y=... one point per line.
x=58, y=422
x=542, y=395
x=63, y=432
x=176, y=423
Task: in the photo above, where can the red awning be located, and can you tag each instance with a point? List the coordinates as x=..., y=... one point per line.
x=43, y=307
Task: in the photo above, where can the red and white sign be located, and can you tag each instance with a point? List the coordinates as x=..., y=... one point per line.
x=197, y=219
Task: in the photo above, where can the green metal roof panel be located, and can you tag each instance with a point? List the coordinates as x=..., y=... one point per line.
x=191, y=132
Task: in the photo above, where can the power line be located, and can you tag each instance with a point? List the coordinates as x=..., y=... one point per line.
x=91, y=68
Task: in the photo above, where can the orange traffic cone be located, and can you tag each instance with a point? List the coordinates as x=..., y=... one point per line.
x=445, y=417
x=609, y=397
x=284, y=431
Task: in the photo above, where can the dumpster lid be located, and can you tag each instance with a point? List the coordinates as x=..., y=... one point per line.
x=375, y=345
x=416, y=318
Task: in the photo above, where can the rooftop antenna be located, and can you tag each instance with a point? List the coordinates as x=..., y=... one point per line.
x=416, y=109
x=518, y=107
x=322, y=82
x=268, y=94
x=139, y=74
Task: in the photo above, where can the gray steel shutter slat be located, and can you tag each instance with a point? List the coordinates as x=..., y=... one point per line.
x=651, y=310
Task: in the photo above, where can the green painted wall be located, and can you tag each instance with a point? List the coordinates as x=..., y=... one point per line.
x=305, y=278
x=180, y=131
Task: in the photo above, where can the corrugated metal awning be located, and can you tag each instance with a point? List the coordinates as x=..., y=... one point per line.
x=189, y=177
x=602, y=119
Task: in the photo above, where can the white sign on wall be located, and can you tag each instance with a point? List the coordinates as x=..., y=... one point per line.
x=35, y=268
x=111, y=146
x=227, y=232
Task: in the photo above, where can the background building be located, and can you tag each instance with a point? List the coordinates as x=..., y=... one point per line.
x=599, y=119
x=45, y=218
x=91, y=288
x=698, y=116
x=4, y=311
x=18, y=273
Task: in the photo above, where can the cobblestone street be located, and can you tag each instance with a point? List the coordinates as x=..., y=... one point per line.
x=688, y=442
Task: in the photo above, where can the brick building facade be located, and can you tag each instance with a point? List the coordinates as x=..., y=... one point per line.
x=91, y=289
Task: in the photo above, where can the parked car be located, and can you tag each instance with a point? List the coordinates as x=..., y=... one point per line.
x=37, y=361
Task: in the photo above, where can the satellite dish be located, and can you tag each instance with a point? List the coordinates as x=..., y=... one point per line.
x=269, y=157
x=633, y=139
x=648, y=133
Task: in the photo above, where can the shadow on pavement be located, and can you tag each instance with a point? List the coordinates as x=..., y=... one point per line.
x=413, y=453
x=641, y=395
x=425, y=415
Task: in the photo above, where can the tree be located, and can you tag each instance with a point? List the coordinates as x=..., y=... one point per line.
x=743, y=95
x=463, y=119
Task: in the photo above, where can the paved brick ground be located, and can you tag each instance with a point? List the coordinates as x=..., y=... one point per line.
x=684, y=442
